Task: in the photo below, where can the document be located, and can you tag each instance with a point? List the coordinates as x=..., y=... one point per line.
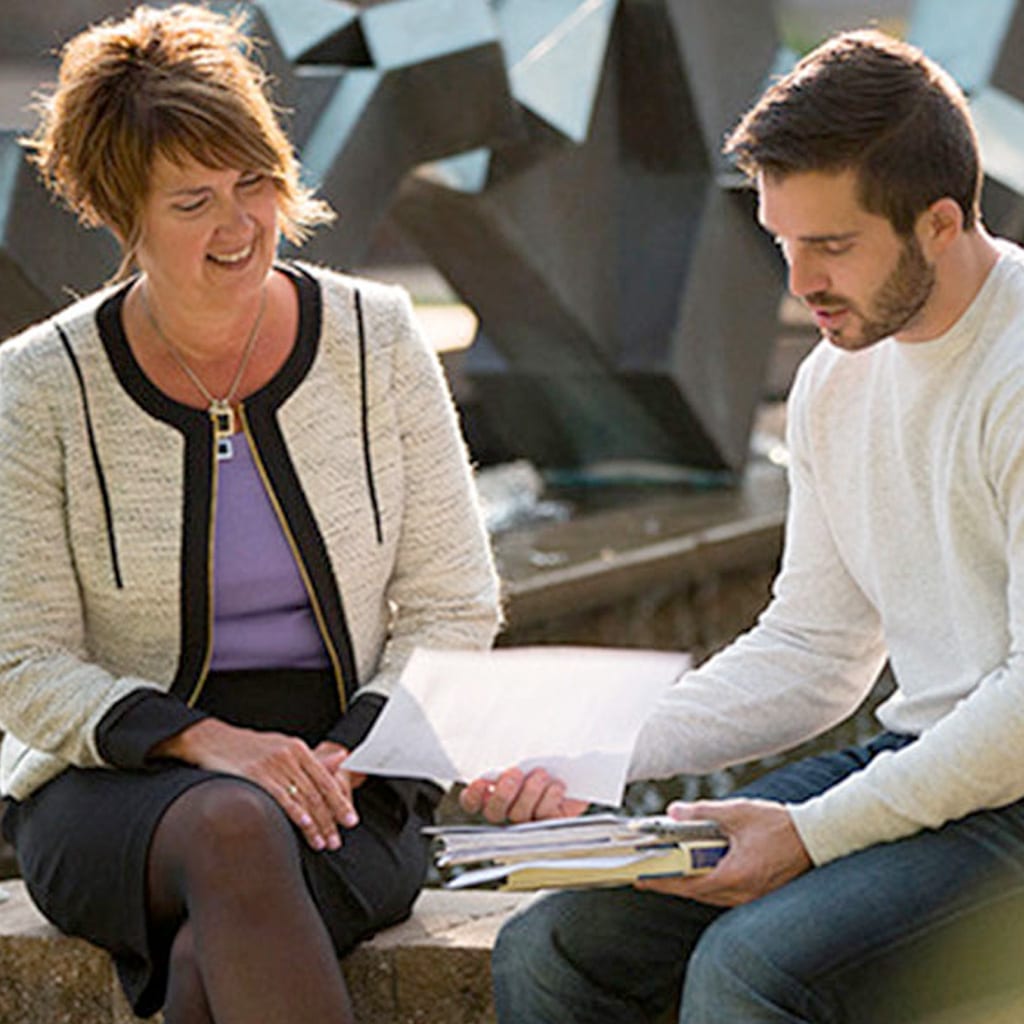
x=574, y=711
x=594, y=850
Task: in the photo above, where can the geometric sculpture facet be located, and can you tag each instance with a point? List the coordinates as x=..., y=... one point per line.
x=627, y=300
x=558, y=160
x=981, y=45
x=45, y=258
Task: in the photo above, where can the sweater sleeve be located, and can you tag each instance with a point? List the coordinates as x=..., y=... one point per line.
x=810, y=660
x=970, y=759
x=52, y=697
x=443, y=588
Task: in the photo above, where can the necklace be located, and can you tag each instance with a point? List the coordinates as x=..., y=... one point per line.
x=221, y=410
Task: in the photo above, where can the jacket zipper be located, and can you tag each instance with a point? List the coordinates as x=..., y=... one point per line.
x=339, y=676
x=204, y=671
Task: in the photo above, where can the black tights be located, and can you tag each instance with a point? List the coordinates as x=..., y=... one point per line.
x=225, y=880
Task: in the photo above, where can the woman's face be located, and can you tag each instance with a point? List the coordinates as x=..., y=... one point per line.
x=208, y=236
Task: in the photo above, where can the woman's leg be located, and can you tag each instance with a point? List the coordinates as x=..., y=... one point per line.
x=225, y=879
x=186, y=994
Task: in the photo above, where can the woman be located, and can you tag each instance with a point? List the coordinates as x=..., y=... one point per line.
x=235, y=499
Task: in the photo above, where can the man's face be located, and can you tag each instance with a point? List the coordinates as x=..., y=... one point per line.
x=861, y=280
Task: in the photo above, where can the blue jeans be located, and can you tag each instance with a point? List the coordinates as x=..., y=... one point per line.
x=893, y=933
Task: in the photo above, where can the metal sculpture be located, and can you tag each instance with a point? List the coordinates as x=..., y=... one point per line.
x=45, y=259
x=627, y=301
x=558, y=160
x=980, y=45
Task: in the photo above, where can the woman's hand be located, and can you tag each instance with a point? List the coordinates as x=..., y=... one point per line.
x=518, y=797
x=310, y=785
x=332, y=756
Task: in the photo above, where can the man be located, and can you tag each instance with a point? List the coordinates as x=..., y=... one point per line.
x=860, y=886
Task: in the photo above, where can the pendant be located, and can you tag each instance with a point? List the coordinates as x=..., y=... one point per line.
x=223, y=417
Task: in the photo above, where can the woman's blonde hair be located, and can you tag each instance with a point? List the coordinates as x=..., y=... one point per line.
x=176, y=82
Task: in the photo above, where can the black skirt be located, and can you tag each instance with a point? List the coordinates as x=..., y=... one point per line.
x=82, y=840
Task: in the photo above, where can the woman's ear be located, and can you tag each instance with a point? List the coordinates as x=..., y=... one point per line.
x=939, y=226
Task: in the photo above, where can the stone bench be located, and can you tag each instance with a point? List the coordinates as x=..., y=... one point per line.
x=432, y=969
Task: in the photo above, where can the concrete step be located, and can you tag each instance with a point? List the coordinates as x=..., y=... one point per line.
x=432, y=969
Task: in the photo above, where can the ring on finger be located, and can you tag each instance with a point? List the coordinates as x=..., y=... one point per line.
x=292, y=789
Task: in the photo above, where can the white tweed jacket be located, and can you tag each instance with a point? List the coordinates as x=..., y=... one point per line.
x=107, y=491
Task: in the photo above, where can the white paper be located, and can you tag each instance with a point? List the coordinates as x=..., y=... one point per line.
x=574, y=711
x=481, y=876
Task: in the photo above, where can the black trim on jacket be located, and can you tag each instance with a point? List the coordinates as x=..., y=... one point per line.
x=364, y=418
x=101, y=480
x=197, y=430
x=260, y=410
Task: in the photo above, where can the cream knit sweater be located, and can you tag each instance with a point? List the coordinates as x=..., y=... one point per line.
x=905, y=538
x=106, y=496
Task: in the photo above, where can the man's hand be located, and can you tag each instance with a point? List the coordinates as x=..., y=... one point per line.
x=517, y=797
x=765, y=852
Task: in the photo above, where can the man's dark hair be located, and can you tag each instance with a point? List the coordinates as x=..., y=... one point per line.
x=866, y=102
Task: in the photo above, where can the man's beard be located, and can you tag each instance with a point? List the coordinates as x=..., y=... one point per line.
x=893, y=307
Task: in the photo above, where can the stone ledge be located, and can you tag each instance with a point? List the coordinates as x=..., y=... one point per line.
x=657, y=538
x=432, y=969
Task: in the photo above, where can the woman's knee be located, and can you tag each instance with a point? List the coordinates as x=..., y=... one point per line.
x=224, y=844
x=224, y=822
x=234, y=812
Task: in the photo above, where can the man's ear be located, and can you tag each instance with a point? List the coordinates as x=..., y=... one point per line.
x=939, y=226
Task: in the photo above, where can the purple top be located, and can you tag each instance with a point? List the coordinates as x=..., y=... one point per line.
x=262, y=615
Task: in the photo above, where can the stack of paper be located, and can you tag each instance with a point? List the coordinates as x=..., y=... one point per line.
x=597, y=850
